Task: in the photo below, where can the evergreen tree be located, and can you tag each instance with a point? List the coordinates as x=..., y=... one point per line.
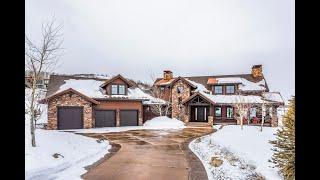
x=284, y=155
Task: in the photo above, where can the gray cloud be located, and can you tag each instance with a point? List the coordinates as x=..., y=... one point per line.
x=205, y=37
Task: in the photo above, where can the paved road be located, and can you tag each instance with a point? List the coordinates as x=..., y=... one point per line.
x=150, y=154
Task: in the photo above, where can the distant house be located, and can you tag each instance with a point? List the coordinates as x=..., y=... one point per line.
x=42, y=83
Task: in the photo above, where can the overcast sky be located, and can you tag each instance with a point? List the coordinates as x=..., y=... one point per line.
x=189, y=37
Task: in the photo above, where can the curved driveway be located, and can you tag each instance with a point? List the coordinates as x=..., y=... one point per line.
x=149, y=154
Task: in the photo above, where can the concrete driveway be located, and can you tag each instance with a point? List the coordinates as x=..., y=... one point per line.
x=149, y=154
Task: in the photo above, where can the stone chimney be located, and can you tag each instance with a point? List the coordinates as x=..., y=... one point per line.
x=167, y=74
x=256, y=71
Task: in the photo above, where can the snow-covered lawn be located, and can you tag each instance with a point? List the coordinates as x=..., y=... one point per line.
x=245, y=153
x=77, y=151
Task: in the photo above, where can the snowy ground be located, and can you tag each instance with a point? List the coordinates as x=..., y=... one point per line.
x=161, y=122
x=77, y=151
x=245, y=153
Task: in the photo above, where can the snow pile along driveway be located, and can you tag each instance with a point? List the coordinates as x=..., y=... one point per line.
x=245, y=153
x=77, y=151
x=164, y=122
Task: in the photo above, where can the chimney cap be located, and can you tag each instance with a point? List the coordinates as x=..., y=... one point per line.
x=167, y=71
x=257, y=66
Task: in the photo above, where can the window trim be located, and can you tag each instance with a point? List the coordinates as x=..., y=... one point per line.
x=234, y=89
x=214, y=89
x=215, y=114
x=111, y=87
x=230, y=107
x=124, y=90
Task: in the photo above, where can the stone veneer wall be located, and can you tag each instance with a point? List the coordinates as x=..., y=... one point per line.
x=67, y=100
x=175, y=99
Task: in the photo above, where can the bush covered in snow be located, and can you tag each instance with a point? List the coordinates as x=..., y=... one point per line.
x=164, y=122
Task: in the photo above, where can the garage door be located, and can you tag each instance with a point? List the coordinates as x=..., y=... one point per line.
x=105, y=118
x=70, y=117
x=128, y=118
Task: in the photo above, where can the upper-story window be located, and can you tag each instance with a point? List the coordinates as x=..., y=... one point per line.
x=118, y=89
x=230, y=89
x=114, y=89
x=122, y=89
x=179, y=89
x=218, y=89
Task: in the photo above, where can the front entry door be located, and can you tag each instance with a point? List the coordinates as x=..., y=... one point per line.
x=199, y=114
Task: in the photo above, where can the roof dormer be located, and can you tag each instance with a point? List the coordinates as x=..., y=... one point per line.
x=118, y=85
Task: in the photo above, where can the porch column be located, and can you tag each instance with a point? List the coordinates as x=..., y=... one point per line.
x=274, y=117
x=264, y=112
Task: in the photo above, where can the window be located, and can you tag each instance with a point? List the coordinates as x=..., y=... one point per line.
x=230, y=89
x=114, y=89
x=217, y=111
x=122, y=89
x=229, y=112
x=218, y=89
x=179, y=89
x=253, y=112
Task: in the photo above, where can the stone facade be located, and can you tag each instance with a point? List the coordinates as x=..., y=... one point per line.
x=210, y=120
x=69, y=99
x=176, y=97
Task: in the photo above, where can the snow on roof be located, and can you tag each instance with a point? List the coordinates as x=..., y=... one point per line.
x=252, y=86
x=245, y=85
x=227, y=80
x=273, y=96
x=229, y=99
x=200, y=87
x=88, y=87
x=91, y=88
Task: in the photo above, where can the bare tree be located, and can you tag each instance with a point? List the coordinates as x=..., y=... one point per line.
x=163, y=108
x=40, y=58
x=263, y=109
x=242, y=106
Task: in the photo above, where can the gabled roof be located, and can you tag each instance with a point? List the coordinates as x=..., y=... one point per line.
x=90, y=88
x=184, y=80
x=205, y=79
x=67, y=91
x=129, y=83
x=197, y=94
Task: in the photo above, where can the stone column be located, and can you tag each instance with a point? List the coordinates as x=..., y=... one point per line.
x=210, y=120
x=140, y=118
x=117, y=118
x=274, y=117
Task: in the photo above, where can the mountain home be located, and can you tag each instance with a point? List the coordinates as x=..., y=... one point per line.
x=85, y=102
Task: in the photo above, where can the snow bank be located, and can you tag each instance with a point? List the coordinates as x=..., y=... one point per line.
x=249, y=144
x=164, y=122
x=78, y=151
